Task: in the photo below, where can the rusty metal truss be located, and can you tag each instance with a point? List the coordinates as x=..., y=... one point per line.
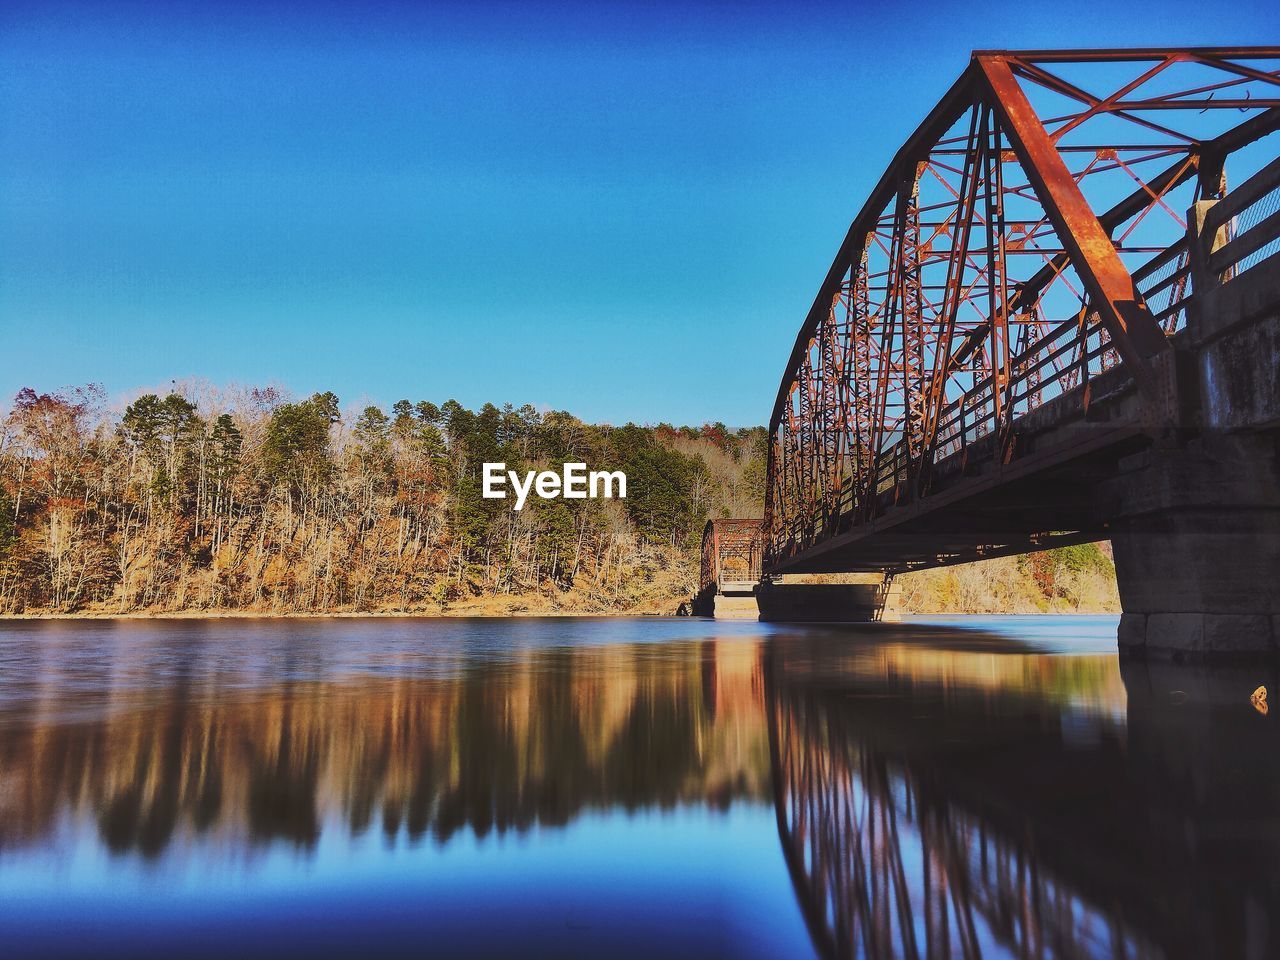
x=1029, y=236
x=731, y=551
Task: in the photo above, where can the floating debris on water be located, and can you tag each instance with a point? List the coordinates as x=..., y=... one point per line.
x=1259, y=700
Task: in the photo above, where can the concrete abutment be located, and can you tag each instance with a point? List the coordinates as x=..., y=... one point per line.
x=787, y=601
x=1196, y=538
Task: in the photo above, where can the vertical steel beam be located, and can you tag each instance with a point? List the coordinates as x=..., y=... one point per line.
x=914, y=399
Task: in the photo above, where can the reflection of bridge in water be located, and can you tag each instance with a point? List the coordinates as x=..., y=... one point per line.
x=926, y=812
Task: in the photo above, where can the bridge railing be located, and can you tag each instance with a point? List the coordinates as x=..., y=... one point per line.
x=1242, y=229
x=1051, y=366
x=1238, y=232
x=1165, y=284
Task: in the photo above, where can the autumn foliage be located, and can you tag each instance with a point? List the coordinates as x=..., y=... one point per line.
x=248, y=499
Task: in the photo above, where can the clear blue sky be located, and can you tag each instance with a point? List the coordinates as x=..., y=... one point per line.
x=618, y=209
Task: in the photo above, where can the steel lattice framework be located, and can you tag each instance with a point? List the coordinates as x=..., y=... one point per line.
x=1030, y=235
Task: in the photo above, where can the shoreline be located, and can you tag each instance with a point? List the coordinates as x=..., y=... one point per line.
x=468, y=615
x=327, y=615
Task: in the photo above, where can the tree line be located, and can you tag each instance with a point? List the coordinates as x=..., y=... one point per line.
x=250, y=499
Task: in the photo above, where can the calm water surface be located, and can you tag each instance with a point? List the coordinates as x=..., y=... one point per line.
x=627, y=788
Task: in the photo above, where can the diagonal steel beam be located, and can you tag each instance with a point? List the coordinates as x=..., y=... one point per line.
x=1135, y=333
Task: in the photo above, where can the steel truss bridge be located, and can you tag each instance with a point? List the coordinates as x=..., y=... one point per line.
x=1021, y=304
x=732, y=551
x=731, y=554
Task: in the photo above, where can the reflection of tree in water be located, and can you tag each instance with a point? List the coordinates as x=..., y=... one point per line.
x=923, y=817
x=502, y=746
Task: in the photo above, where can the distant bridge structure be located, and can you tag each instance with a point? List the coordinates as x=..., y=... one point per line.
x=732, y=551
x=1056, y=319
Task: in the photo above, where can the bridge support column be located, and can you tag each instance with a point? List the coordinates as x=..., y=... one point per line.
x=704, y=603
x=1196, y=536
x=787, y=601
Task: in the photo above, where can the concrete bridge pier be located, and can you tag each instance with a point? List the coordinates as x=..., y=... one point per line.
x=1196, y=537
x=788, y=601
x=1196, y=526
x=734, y=600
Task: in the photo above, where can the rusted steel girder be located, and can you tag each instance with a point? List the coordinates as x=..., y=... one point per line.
x=1029, y=236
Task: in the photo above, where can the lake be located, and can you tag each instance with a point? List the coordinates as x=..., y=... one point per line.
x=997, y=786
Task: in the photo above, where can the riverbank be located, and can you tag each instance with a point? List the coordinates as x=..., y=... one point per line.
x=1039, y=584
x=494, y=607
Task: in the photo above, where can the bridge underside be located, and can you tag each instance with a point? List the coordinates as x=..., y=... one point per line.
x=985, y=508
